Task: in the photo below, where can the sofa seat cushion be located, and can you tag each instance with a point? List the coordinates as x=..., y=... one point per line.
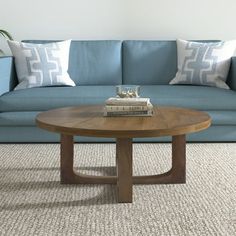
x=45, y=98
x=15, y=119
x=188, y=96
x=41, y=99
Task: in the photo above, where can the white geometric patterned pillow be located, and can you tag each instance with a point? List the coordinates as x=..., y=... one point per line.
x=41, y=64
x=204, y=63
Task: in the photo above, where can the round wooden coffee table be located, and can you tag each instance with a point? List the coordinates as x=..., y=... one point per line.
x=89, y=121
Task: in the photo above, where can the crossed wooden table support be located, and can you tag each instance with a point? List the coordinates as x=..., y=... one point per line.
x=124, y=178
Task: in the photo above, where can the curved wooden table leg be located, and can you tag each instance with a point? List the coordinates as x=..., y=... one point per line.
x=69, y=175
x=177, y=172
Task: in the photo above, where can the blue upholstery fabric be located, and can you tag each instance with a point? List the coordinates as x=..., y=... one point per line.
x=231, y=80
x=33, y=134
x=139, y=63
x=223, y=117
x=40, y=99
x=27, y=118
x=152, y=64
x=7, y=75
x=93, y=62
x=195, y=97
x=149, y=62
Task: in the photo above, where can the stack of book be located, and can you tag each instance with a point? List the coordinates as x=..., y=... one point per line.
x=128, y=107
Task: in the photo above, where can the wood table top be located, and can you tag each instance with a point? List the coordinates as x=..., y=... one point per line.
x=89, y=121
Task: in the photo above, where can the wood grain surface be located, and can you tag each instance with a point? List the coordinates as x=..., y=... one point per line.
x=89, y=121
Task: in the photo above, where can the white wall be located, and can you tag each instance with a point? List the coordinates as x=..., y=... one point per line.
x=118, y=19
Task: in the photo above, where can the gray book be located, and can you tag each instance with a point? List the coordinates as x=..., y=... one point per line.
x=113, y=101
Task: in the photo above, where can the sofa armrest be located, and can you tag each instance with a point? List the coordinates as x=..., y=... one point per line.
x=231, y=80
x=8, y=79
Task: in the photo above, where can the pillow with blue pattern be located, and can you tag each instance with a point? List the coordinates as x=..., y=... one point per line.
x=41, y=64
x=204, y=63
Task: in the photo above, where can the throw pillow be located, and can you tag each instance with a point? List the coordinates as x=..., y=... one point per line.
x=204, y=63
x=41, y=64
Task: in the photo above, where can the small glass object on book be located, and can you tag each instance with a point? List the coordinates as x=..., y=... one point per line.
x=127, y=91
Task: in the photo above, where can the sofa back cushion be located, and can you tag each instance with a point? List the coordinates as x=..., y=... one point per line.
x=93, y=62
x=149, y=62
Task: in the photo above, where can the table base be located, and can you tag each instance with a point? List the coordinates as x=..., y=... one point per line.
x=124, y=177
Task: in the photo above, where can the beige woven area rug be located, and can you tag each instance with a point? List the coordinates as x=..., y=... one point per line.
x=32, y=201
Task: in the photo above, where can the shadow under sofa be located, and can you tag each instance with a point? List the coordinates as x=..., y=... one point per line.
x=97, y=67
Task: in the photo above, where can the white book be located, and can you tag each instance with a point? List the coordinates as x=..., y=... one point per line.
x=127, y=101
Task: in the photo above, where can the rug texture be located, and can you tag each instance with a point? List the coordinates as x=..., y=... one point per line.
x=33, y=202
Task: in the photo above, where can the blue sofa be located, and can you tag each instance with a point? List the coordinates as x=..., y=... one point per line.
x=96, y=67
